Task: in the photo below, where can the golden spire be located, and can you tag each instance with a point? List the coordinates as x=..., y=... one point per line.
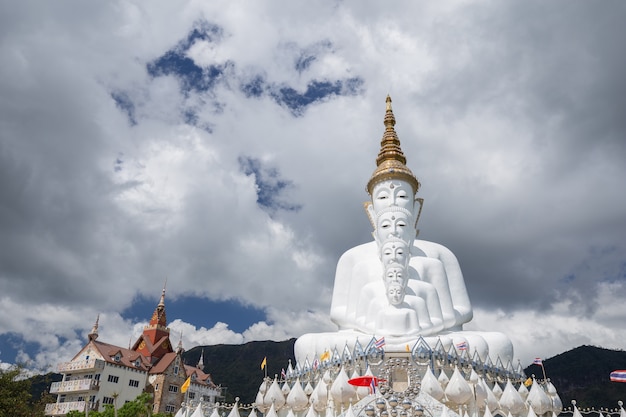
x=391, y=163
x=158, y=317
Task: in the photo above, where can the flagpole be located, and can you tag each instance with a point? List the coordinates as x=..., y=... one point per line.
x=187, y=403
x=544, y=372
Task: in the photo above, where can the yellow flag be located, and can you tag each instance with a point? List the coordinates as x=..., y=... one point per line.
x=528, y=382
x=185, y=386
x=264, y=363
x=325, y=356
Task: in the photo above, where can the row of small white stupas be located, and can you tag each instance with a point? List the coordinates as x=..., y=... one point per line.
x=438, y=383
x=337, y=394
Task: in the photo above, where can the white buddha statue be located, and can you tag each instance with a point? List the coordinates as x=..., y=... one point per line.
x=393, y=186
x=432, y=299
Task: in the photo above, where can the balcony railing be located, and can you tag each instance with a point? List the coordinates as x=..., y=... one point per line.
x=64, y=408
x=75, y=385
x=84, y=365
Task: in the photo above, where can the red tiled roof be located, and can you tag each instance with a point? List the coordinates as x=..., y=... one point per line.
x=163, y=363
x=127, y=357
x=201, y=377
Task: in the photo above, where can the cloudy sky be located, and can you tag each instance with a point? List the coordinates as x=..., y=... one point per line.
x=224, y=146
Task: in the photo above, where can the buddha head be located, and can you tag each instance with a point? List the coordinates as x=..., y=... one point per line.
x=395, y=278
x=393, y=192
x=395, y=294
x=394, y=222
x=394, y=250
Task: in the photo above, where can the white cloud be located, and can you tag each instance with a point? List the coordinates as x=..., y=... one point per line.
x=510, y=115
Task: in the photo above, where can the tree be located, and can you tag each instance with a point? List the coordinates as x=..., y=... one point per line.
x=139, y=407
x=14, y=392
x=39, y=406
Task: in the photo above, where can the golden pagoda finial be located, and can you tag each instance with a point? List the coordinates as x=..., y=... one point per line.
x=391, y=162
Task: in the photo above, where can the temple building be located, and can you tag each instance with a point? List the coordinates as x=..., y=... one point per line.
x=102, y=373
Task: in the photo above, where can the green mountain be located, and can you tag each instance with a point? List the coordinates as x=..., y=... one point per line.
x=582, y=374
x=238, y=367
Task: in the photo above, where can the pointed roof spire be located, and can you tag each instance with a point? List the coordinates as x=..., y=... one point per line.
x=391, y=162
x=201, y=361
x=179, y=348
x=158, y=317
x=93, y=335
x=162, y=300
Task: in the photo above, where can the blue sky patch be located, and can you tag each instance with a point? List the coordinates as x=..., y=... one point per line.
x=191, y=76
x=197, y=310
x=124, y=103
x=315, y=91
x=254, y=88
x=270, y=187
x=175, y=62
x=202, y=31
x=11, y=344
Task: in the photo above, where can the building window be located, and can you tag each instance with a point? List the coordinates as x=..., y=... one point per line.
x=114, y=379
x=156, y=387
x=107, y=400
x=176, y=370
x=97, y=378
x=173, y=388
x=133, y=383
x=117, y=357
x=192, y=395
x=170, y=408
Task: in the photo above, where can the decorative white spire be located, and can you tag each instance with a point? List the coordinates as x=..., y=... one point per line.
x=93, y=335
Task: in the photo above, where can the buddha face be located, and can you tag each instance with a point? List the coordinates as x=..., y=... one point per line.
x=394, y=224
x=395, y=277
x=392, y=193
x=394, y=251
x=395, y=294
x=395, y=274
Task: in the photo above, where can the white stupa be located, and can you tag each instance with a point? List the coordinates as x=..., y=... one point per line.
x=400, y=304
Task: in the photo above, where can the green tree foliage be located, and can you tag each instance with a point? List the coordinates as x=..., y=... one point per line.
x=14, y=393
x=38, y=407
x=139, y=407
